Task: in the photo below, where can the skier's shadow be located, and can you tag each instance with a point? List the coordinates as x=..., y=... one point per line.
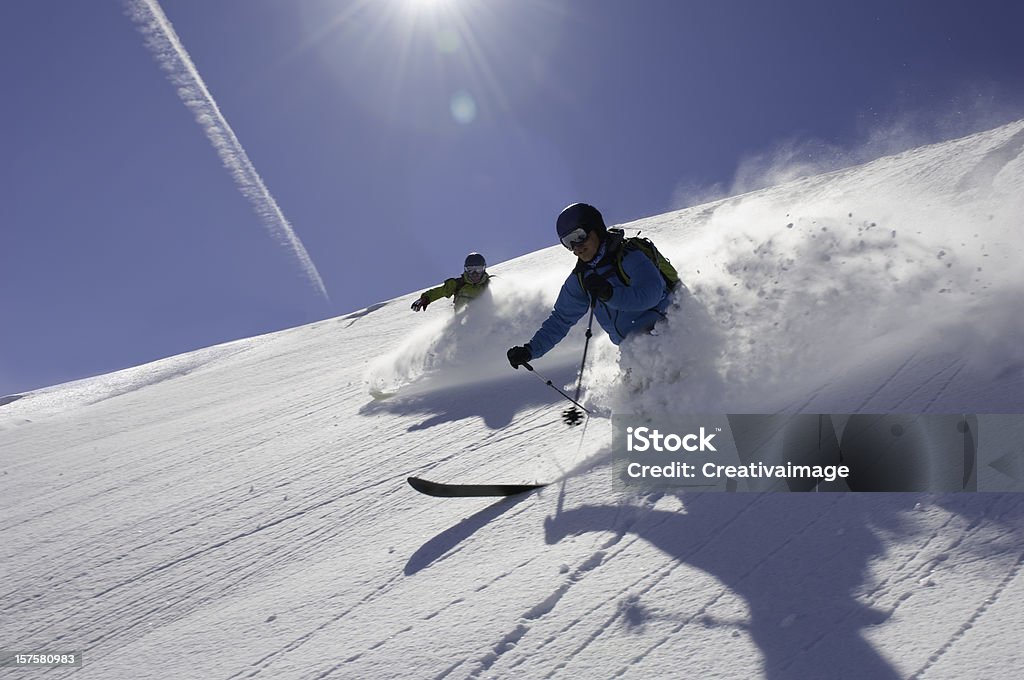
x=497, y=400
x=355, y=316
x=799, y=573
x=437, y=548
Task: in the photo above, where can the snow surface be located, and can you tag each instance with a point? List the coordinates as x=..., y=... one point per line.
x=242, y=511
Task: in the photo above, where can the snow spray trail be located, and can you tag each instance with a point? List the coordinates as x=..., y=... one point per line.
x=163, y=42
x=468, y=347
x=808, y=284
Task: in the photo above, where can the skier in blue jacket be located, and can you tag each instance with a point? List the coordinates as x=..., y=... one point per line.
x=620, y=308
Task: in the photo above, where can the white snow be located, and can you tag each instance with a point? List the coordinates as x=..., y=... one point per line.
x=242, y=511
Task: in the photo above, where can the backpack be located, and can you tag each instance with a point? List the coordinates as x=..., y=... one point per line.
x=647, y=247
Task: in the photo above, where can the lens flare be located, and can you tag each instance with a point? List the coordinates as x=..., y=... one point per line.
x=431, y=64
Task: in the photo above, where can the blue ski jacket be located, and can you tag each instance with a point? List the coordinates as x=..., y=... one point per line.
x=634, y=307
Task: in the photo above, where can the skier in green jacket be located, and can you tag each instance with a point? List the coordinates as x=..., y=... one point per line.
x=472, y=284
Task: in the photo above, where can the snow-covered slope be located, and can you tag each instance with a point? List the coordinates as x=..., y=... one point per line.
x=242, y=511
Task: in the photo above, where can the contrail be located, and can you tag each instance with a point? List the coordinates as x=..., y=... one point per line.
x=163, y=42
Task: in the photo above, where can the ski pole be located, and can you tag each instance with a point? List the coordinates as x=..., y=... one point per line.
x=586, y=344
x=572, y=416
x=550, y=384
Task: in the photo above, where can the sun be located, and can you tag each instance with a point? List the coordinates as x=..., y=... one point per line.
x=426, y=64
x=427, y=5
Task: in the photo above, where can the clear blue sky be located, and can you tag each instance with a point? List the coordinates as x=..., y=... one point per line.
x=396, y=136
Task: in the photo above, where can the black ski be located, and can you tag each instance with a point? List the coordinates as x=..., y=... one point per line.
x=468, y=490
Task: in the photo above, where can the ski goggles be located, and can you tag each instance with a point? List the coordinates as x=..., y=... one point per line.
x=575, y=238
x=476, y=269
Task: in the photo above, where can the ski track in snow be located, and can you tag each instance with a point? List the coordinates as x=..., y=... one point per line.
x=923, y=562
x=962, y=631
x=383, y=590
x=864, y=405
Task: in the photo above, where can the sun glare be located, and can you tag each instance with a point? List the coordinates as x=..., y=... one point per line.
x=427, y=5
x=430, y=63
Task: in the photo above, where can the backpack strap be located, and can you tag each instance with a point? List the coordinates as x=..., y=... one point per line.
x=627, y=244
x=612, y=255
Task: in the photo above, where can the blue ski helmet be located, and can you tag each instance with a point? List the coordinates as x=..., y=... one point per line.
x=579, y=216
x=475, y=260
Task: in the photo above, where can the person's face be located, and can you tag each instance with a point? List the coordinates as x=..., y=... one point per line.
x=587, y=249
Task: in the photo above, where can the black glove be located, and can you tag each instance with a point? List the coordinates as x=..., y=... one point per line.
x=420, y=304
x=517, y=356
x=598, y=286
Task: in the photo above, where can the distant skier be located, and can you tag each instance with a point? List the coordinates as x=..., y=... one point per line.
x=471, y=285
x=626, y=280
